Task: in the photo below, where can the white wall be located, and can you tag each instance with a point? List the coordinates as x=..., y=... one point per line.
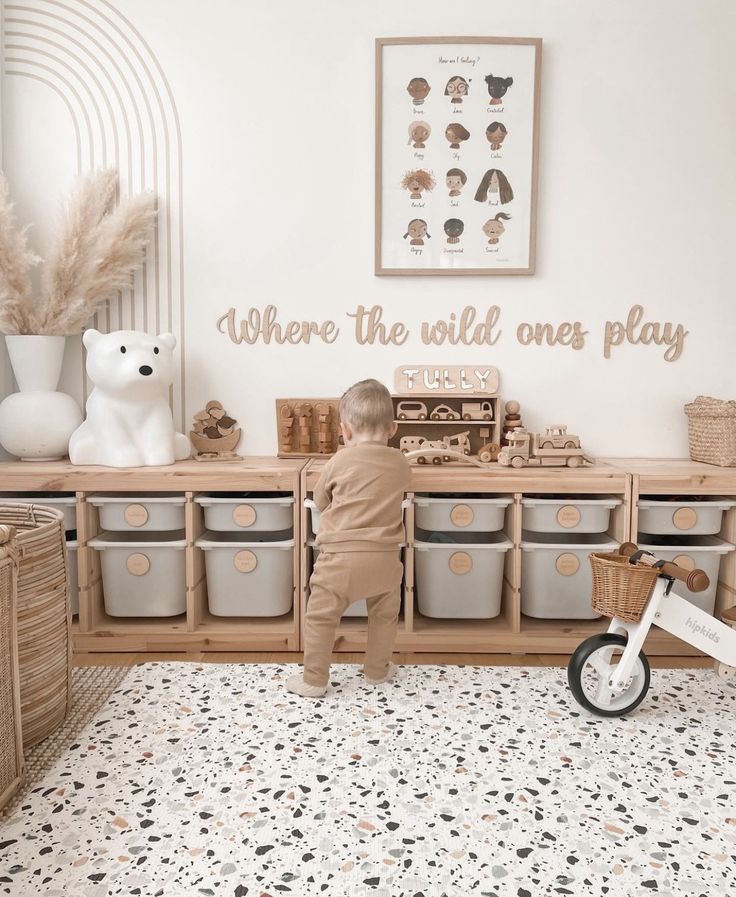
x=636, y=200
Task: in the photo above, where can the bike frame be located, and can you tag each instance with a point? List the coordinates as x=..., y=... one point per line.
x=671, y=612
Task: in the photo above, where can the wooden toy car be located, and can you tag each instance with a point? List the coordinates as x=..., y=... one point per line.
x=459, y=441
x=444, y=412
x=436, y=449
x=489, y=452
x=411, y=443
x=556, y=436
x=477, y=411
x=411, y=411
x=525, y=449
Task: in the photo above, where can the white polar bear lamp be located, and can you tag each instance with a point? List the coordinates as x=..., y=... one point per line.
x=129, y=422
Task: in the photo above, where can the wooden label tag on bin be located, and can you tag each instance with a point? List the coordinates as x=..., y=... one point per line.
x=138, y=564
x=685, y=518
x=568, y=516
x=245, y=561
x=684, y=561
x=567, y=564
x=462, y=515
x=136, y=515
x=460, y=563
x=244, y=515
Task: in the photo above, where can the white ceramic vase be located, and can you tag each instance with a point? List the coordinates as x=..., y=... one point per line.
x=37, y=421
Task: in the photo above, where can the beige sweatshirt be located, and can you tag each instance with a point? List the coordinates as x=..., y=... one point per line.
x=360, y=494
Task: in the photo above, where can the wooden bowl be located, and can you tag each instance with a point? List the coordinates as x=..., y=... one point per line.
x=203, y=444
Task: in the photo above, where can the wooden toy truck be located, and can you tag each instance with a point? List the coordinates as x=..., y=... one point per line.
x=525, y=449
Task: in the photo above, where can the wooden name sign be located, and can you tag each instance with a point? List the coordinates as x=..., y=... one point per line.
x=453, y=379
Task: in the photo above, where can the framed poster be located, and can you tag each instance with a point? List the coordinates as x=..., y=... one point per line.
x=457, y=129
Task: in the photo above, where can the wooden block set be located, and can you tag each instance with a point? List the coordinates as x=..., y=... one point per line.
x=307, y=427
x=495, y=560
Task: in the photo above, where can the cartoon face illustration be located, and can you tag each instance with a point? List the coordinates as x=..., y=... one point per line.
x=417, y=230
x=456, y=88
x=418, y=88
x=494, y=183
x=493, y=228
x=496, y=134
x=455, y=180
x=416, y=181
x=456, y=133
x=419, y=131
x=497, y=87
x=453, y=228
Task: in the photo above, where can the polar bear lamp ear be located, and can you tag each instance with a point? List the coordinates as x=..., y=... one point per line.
x=90, y=338
x=168, y=339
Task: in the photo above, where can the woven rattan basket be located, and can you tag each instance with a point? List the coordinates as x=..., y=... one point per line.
x=711, y=427
x=11, y=740
x=621, y=589
x=43, y=618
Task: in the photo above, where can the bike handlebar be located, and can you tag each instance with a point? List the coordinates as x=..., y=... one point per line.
x=695, y=580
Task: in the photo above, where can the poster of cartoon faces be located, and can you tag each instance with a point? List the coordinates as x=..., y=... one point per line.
x=456, y=155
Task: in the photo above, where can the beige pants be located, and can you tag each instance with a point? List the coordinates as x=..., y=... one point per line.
x=339, y=579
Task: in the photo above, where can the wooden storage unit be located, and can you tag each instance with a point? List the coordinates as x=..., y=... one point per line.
x=509, y=632
x=675, y=477
x=195, y=630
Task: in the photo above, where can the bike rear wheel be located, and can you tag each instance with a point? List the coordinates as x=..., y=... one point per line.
x=590, y=668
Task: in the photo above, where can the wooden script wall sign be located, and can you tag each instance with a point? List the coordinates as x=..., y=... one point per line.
x=453, y=379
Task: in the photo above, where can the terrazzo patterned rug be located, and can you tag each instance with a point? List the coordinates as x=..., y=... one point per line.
x=209, y=780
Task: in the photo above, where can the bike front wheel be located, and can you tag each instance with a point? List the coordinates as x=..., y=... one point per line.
x=590, y=669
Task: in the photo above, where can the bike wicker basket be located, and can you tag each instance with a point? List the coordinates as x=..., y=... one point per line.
x=621, y=589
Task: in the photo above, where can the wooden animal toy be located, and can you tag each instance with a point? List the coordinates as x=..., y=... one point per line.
x=512, y=420
x=477, y=410
x=215, y=435
x=555, y=448
x=444, y=412
x=409, y=410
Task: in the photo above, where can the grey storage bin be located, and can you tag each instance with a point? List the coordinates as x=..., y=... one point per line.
x=66, y=502
x=556, y=579
x=249, y=575
x=266, y=512
x=567, y=515
x=143, y=575
x=664, y=516
x=460, y=514
x=462, y=579
x=357, y=608
x=144, y=511
x=315, y=513
x=72, y=574
x=704, y=552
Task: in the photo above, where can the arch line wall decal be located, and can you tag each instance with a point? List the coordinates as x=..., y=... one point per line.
x=122, y=112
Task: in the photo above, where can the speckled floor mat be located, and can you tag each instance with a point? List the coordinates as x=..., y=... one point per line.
x=210, y=780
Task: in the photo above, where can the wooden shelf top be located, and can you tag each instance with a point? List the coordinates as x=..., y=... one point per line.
x=263, y=472
x=670, y=475
x=459, y=477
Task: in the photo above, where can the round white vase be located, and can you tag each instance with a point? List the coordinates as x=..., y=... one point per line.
x=36, y=423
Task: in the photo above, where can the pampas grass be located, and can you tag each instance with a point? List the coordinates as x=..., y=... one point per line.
x=97, y=248
x=16, y=261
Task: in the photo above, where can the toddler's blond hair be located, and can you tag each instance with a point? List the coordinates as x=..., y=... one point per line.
x=367, y=407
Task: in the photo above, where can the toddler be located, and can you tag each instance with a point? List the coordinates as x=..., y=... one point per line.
x=361, y=527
